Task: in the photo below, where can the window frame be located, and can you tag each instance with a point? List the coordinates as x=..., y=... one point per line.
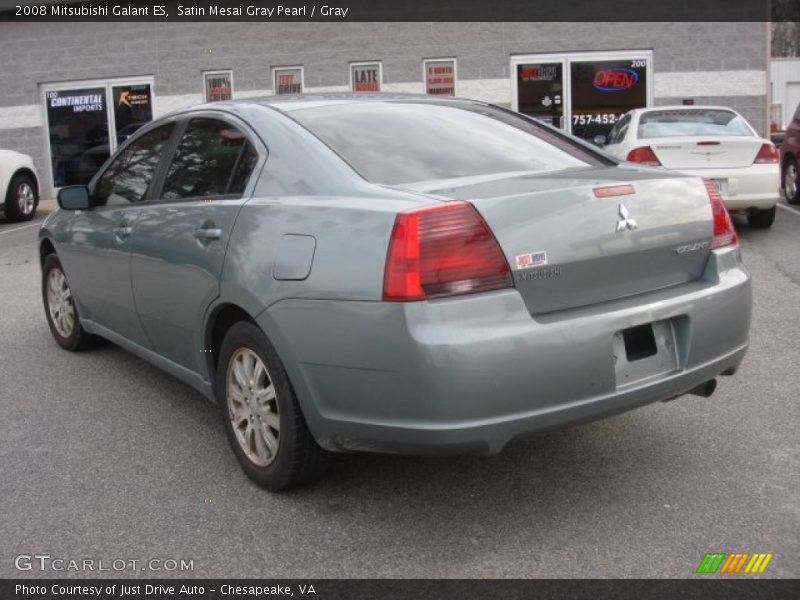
x=167, y=152
x=181, y=120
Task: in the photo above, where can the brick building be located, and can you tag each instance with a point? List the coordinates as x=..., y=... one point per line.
x=75, y=90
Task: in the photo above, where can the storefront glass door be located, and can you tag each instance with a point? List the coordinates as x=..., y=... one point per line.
x=540, y=91
x=584, y=93
x=86, y=122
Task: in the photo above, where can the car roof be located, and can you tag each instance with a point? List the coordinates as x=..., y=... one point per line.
x=683, y=107
x=289, y=103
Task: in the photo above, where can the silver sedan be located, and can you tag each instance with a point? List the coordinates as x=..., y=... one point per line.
x=395, y=274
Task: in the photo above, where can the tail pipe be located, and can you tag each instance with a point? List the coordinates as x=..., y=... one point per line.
x=705, y=389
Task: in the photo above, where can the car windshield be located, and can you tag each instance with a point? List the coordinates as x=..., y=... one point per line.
x=406, y=142
x=691, y=122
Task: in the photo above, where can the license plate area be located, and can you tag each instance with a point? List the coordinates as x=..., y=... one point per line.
x=646, y=351
x=721, y=185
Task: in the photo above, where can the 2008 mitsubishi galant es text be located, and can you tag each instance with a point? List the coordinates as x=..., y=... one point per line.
x=395, y=274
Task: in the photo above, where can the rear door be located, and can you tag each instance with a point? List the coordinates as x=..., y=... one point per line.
x=181, y=237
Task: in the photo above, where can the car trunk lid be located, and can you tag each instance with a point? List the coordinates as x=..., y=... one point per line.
x=706, y=153
x=567, y=247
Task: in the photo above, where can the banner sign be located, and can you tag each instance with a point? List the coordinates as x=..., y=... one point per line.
x=288, y=81
x=440, y=77
x=133, y=107
x=365, y=77
x=218, y=86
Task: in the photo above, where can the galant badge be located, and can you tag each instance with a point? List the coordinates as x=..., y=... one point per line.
x=625, y=221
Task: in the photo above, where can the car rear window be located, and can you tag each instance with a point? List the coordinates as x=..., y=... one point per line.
x=406, y=142
x=691, y=122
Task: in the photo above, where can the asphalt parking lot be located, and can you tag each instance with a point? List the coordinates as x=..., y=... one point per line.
x=105, y=457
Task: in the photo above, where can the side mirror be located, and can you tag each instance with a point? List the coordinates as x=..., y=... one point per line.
x=599, y=140
x=74, y=197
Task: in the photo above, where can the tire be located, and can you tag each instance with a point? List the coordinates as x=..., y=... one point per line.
x=59, y=305
x=22, y=198
x=790, y=182
x=763, y=219
x=269, y=436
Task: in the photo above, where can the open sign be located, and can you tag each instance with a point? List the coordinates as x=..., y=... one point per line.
x=615, y=80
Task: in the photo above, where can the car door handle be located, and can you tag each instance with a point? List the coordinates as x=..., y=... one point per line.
x=207, y=233
x=122, y=231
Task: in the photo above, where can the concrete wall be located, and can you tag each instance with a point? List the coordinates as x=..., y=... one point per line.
x=721, y=63
x=785, y=80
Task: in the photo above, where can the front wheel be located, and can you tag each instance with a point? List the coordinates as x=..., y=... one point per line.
x=791, y=182
x=59, y=307
x=21, y=199
x=762, y=219
x=262, y=417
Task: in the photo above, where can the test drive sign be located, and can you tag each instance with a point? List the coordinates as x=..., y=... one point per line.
x=365, y=77
x=288, y=81
x=440, y=77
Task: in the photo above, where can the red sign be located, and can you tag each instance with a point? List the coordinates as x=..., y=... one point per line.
x=440, y=77
x=288, y=81
x=366, y=77
x=612, y=80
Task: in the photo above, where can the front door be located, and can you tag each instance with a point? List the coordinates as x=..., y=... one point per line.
x=86, y=122
x=97, y=254
x=181, y=238
x=540, y=91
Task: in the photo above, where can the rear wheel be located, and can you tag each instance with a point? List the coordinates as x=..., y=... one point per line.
x=59, y=307
x=763, y=219
x=262, y=417
x=21, y=198
x=791, y=182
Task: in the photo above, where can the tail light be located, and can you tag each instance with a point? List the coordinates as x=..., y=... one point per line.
x=443, y=250
x=644, y=156
x=767, y=154
x=724, y=233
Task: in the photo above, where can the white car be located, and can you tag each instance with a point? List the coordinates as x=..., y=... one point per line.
x=710, y=141
x=19, y=186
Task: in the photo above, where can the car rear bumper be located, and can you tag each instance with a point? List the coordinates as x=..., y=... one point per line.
x=471, y=374
x=754, y=187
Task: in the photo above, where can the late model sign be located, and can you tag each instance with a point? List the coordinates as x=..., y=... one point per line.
x=365, y=77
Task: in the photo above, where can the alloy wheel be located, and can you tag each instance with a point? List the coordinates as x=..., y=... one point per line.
x=790, y=181
x=253, y=407
x=59, y=303
x=26, y=199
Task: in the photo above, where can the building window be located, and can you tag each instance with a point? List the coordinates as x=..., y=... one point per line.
x=218, y=85
x=287, y=80
x=440, y=76
x=584, y=93
x=85, y=121
x=366, y=76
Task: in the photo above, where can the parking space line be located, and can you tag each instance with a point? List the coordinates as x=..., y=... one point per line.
x=790, y=209
x=37, y=224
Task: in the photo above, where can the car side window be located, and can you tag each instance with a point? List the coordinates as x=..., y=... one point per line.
x=617, y=134
x=128, y=178
x=213, y=158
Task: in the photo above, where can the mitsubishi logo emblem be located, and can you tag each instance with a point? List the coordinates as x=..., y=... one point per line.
x=625, y=221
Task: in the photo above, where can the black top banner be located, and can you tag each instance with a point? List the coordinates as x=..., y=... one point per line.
x=403, y=10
